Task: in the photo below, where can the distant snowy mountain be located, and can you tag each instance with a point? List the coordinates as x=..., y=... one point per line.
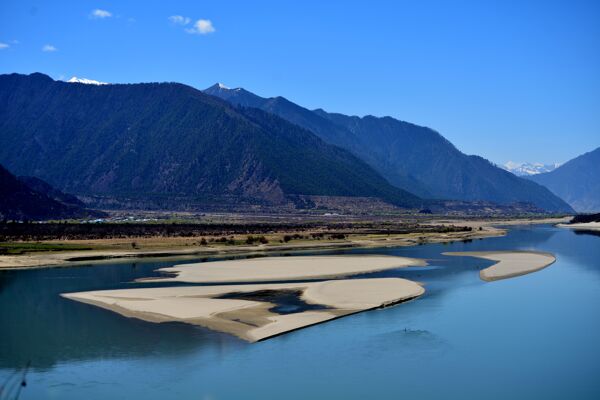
x=528, y=169
x=86, y=81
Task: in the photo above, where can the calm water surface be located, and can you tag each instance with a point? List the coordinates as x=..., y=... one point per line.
x=535, y=336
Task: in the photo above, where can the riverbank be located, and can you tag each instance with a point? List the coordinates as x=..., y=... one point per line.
x=167, y=248
x=584, y=226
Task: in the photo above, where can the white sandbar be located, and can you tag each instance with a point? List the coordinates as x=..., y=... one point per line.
x=593, y=226
x=509, y=263
x=267, y=269
x=251, y=320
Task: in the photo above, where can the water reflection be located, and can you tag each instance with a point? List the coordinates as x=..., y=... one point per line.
x=40, y=326
x=580, y=247
x=587, y=232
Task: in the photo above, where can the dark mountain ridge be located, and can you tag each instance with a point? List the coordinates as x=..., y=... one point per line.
x=415, y=158
x=44, y=187
x=160, y=141
x=18, y=201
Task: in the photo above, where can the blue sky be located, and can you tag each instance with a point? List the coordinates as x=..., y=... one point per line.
x=508, y=80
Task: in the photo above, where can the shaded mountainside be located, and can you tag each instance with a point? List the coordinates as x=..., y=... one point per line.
x=409, y=156
x=577, y=181
x=168, y=140
x=44, y=187
x=18, y=201
x=325, y=129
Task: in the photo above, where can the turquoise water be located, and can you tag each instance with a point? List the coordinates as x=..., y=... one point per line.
x=535, y=336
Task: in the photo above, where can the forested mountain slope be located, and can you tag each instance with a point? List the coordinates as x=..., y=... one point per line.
x=168, y=140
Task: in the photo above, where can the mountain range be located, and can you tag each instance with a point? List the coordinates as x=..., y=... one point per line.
x=576, y=181
x=412, y=157
x=169, y=145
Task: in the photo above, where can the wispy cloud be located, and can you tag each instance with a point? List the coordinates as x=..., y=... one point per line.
x=201, y=27
x=100, y=14
x=179, y=20
x=4, y=46
x=49, y=48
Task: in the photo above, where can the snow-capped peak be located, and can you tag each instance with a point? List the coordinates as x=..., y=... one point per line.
x=221, y=86
x=86, y=81
x=528, y=169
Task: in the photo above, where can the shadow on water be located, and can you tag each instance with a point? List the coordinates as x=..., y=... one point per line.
x=587, y=232
x=285, y=301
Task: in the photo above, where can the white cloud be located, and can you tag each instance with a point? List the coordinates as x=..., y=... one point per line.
x=202, y=27
x=179, y=20
x=49, y=48
x=98, y=13
x=4, y=46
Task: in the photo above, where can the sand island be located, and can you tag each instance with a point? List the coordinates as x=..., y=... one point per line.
x=265, y=269
x=258, y=311
x=509, y=263
x=214, y=307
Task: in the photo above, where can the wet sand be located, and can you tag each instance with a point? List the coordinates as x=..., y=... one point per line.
x=509, y=263
x=251, y=320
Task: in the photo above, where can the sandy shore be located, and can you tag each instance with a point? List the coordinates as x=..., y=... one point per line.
x=493, y=224
x=509, y=263
x=92, y=257
x=593, y=226
x=168, y=251
x=251, y=320
x=282, y=268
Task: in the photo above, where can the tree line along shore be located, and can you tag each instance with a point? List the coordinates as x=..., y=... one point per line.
x=52, y=244
x=55, y=244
